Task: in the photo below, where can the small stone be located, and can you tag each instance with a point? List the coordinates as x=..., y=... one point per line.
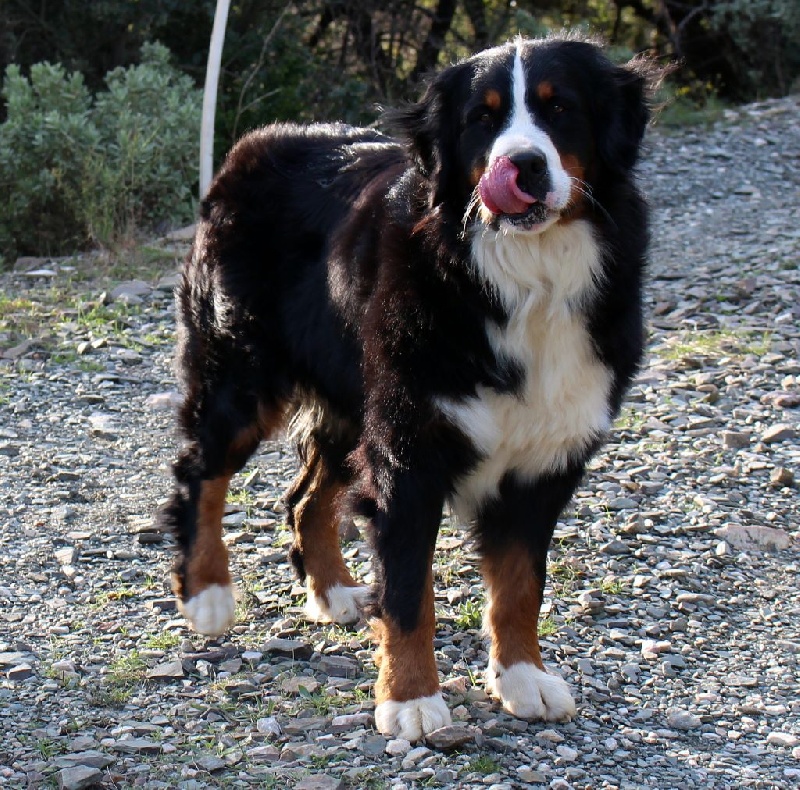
x=103, y=425
x=754, y=538
x=530, y=776
x=350, y=721
x=683, y=720
x=252, y=657
x=784, y=739
x=778, y=433
x=781, y=476
x=652, y=648
x=397, y=747
x=414, y=756
x=374, y=745
x=550, y=735
x=211, y=764
x=567, y=753
x=130, y=292
x=136, y=746
x=20, y=672
x=263, y=754
x=319, y=782
x=450, y=737
x=169, y=670
x=339, y=666
x=163, y=401
x=269, y=727
x=299, y=685
x=289, y=648
x=91, y=758
x=615, y=547
x=735, y=440
x=78, y=777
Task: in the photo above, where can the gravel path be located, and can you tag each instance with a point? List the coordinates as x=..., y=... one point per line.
x=673, y=603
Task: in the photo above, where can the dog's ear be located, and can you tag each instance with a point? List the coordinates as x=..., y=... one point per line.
x=625, y=112
x=428, y=125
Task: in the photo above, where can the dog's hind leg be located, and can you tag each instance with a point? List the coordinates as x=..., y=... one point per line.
x=220, y=445
x=312, y=502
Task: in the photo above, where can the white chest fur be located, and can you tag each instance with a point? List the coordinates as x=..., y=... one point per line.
x=563, y=404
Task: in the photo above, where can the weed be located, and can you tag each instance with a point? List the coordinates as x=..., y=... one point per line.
x=547, y=626
x=483, y=764
x=164, y=641
x=470, y=615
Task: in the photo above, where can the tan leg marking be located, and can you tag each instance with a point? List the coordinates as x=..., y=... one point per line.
x=516, y=673
x=316, y=521
x=408, y=701
x=513, y=609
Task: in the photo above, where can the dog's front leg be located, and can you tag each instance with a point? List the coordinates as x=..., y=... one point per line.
x=409, y=702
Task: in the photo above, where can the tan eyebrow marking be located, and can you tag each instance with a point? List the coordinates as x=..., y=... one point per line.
x=492, y=99
x=544, y=90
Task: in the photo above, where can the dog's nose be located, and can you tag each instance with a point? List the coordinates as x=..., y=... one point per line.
x=532, y=167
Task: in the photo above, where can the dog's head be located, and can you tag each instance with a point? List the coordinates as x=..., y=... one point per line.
x=525, y=134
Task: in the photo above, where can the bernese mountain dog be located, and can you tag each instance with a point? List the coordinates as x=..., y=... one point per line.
x=451, y=316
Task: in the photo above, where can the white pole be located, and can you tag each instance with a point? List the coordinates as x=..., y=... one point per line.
x=210, y=95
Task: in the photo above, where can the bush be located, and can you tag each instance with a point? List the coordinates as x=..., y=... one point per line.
x=74, y=170
x=765, y=35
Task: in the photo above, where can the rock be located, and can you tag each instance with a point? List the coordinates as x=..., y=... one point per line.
x=683, y=720
x=652, y=648
x=91, y=758
x=615, y=547
x=130, y=292
x=781, y=432
x=78, y=777
x=269, y=726
x=319, y=782
x=170, y=670
x=350, y=721
x=163, y=401
x=450, y=737
x=20, y=672
x=136, y=746
x=784, y=739
x=211, y=764
x=567, y=753
x=263, y=754
x=103, y=425
x=339, y=666
x=754, y=538
x=735, y=440
x=289, y=648
x=299, y=685
x=414, y=756
x=781, y=476
x=397, y=747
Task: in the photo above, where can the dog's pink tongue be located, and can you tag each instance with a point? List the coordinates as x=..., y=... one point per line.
x=499, y=191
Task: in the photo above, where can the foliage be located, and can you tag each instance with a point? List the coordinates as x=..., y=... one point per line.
x=766, y=35
x=74, y=169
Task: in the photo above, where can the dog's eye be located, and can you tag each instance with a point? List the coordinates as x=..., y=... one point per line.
x=556, y=107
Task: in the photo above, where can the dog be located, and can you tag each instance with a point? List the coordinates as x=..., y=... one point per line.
x=448, y=316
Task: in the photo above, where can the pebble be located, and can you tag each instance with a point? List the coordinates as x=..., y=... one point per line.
x=78, y=777
x=679, y=719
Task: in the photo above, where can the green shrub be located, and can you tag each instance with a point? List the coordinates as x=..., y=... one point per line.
x=75, y=170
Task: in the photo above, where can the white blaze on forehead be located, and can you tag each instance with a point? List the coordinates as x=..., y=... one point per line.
x=522, y=134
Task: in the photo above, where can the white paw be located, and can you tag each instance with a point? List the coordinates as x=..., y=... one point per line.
x=344, y=604
x=412, y=719
x=211, y=612
x=529, y=693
